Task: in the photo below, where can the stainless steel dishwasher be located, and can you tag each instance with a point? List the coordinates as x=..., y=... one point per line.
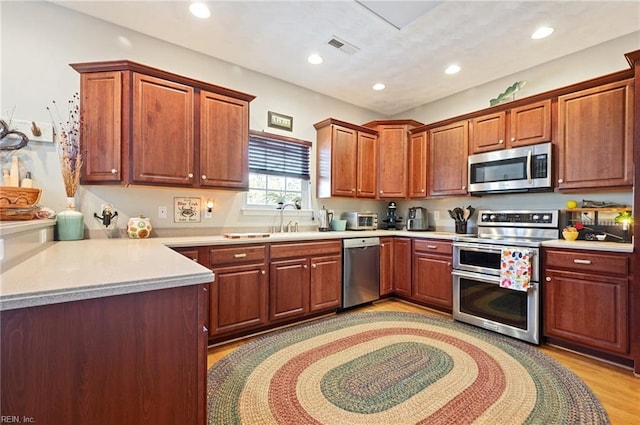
x=360, y=271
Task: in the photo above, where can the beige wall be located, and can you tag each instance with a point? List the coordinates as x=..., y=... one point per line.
x=40, y=39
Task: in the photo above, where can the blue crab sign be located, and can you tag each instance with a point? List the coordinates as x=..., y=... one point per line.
x=187, y=210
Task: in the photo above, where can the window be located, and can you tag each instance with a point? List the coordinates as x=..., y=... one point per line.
x=278, y=171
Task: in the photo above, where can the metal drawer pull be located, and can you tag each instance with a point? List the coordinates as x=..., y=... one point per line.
x=432, y=247
x=205, y=330
x=239, y=255
x=313, y=266
x=263, y=272
x=578, y=261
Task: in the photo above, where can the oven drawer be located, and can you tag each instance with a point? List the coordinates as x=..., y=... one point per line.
x=587, y=262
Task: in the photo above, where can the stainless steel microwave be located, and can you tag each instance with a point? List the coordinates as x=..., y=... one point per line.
x=523, y=169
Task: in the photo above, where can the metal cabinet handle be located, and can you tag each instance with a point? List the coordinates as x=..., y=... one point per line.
x=579, y=261
x=381, y=192
x=513, y=139
x=432, y=247
x=263, y=272
x=304, y=266
x=204, y=177
x=449, y=263
x=548, y=279
x=501, y=141
x=313, y=266
x=114, y=171
x=190, y=175
x=205, y=330
x=239, y=255
x=560, y=181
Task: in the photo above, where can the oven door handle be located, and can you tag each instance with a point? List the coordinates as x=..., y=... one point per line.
x=477, y=276
x=475, y=247
x=529, y=179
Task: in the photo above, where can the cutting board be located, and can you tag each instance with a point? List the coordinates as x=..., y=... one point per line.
x=245, y=235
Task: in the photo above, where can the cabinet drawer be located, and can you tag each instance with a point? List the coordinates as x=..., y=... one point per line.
x=291, y=250
x=433, y=246
x=588, y=262
x=238, y=254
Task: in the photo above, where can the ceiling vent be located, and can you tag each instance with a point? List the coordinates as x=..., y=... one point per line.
x=342, y=45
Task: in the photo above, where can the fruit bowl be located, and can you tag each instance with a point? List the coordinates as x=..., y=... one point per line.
x=570, y=236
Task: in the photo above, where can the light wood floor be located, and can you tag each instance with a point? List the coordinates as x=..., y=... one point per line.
x=617, y=388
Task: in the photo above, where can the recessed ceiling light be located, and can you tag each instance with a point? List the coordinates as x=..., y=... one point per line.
x=379, y=86
x=199, y=10
x=452, y=69
x=315, y=59
x=542, y=32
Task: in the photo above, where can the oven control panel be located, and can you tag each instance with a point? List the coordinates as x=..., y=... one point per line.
x=529, y=218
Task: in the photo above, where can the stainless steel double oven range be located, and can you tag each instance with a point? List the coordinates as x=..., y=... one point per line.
x=478, y=298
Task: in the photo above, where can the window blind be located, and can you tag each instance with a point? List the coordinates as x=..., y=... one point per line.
x=278, y=157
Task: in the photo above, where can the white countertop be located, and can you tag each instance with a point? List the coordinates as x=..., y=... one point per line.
x=93, y=268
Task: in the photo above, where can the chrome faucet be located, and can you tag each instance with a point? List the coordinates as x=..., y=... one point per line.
x=282, y=215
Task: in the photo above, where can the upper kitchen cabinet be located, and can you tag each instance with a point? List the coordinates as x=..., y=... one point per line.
x=418, y=160
x=346, y=160
x=448, y=151
x=142, y=125
x=595, y=130
x=393, y=156
x=524, y=125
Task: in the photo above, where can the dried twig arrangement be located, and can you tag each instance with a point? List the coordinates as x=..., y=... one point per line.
x=68, y=143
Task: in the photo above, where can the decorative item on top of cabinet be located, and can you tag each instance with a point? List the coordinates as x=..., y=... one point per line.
x=448, y=152
x=583, y=285
x=393, y=151
x=346, y=160
x=524, y=125
x=120, y=115
x=595, y=137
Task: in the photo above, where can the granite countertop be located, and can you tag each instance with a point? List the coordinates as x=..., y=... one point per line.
x=93, y=268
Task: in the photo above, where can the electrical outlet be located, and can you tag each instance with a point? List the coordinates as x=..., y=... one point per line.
x=208, y=214
x=162, y=212
x=436, y=215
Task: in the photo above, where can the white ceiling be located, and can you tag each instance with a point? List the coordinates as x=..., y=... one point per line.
x=488, y=39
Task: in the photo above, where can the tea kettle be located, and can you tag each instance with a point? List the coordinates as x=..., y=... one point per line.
x=324, y=217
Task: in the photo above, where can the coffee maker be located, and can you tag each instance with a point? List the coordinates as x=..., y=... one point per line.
x=392, y=221
x=418, y=219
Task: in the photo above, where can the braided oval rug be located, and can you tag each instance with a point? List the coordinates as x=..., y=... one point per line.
x=394, y=368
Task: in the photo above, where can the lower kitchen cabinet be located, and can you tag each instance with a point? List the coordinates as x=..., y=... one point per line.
x=432, y=282
x=239, y=292
x=402, y=267
x=128, y=359
x=386, y=266
x=586, y=299
x=304, y=278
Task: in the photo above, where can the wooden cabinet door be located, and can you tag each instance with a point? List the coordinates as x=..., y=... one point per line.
x=224, y=141
x=402, y=266
x=392, y=161
x=432, y=282
x=595, y=129
x=487, y=133
x=530, y=124
x=386, y=266
x=418, y=165
x=343, y=161
x=448, y=151
x=163, y=131
x=367, y=165
x=289, y=289
x=325, y=283
x=101, y=133
x=238, y=298
x=587, y=309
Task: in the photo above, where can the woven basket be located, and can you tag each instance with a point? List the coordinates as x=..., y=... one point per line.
x=18, y=203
